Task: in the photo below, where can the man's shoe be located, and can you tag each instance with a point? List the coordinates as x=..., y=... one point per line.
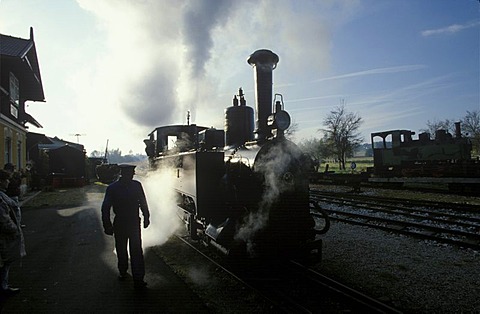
x=10, y=291
x=122, y=276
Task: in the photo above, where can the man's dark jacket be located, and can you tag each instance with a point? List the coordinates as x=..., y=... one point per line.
x=126, y=197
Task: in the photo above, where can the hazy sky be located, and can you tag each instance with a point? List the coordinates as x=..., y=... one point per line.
x=116, y=69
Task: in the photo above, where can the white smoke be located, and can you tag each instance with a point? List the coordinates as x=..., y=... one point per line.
x=199, y=275
x=164, y=219
x=274, y=168
x=162, y=58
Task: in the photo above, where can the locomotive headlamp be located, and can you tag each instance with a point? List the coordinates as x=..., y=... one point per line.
x=279, y=120
x=282, y=120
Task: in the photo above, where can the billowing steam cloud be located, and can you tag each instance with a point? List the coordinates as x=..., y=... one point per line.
x=200, y=18
x=162, y=58
x=164, y=219
x=278, y=179
x=159, y=58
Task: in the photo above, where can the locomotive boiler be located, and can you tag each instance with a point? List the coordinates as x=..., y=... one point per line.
x=243, y=189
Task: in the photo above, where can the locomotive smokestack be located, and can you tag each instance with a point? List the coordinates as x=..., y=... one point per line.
x=458, y=130
x=264, y=62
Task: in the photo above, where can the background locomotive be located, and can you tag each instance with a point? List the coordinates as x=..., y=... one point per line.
x=239, y=189
x=398, y=157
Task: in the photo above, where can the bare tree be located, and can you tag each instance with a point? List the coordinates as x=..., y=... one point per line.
x=433, y=126
x=471, y=126
x=97, y=154
x=316, y=149
x=292, y=129
x=341, y=128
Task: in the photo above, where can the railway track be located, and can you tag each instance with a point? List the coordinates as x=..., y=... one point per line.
x=296, y=288
x=363, y=301
x=461, y=206
x=291, y=287
x=452, y=223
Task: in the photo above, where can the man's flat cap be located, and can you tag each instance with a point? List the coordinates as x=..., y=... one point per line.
x=9, y=166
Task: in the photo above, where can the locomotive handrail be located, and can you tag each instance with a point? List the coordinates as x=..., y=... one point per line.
x=240, y=157
x=322, y=214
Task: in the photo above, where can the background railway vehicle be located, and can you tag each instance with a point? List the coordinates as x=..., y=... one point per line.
x=105, y=171
x=399, y=158
x=244, y=191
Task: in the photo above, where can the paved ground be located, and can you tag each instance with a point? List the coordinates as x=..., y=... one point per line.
x=71, y=267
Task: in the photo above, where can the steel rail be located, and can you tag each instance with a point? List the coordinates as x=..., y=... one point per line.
x=459, y=232
x=406, y=211
x=421, y=203
x=277, y=304
x=275, y=288
x=370, y=303
x=470, y=244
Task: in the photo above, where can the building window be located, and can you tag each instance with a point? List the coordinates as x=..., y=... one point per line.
x=14, y=95
x=14, y=90
x=8, y=149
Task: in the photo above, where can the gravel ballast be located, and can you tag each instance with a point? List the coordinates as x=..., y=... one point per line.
x=413, y=275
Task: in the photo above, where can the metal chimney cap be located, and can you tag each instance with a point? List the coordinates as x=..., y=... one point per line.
x=263, y=56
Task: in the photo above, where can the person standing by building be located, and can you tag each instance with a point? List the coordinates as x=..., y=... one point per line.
x=12, y=245
x=126, y=196
x=13, y=189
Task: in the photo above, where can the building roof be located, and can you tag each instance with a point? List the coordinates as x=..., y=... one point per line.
x=21, y=55
x=28, y=118
x=38, y=138
x=59, y=143
x=15, y=47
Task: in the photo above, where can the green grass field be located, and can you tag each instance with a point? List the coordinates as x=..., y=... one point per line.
x=361, y=165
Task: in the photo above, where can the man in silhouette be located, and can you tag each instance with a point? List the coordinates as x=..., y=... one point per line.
x=126, y=196
x=12, y=244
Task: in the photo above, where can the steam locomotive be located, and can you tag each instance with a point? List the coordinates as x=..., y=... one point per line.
x=398, y=157
x=244, y=191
